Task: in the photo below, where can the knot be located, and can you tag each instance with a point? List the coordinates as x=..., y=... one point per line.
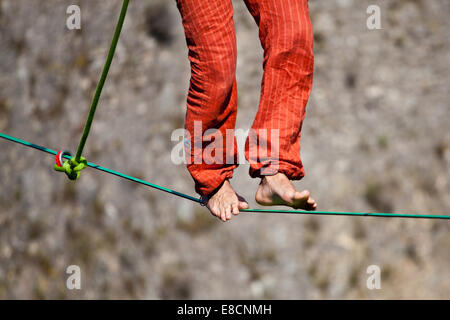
x=71, y=167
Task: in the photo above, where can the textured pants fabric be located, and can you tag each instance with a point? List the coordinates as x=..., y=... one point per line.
x=286, y=36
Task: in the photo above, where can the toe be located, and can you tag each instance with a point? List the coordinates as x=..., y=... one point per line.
x=228, y=212
x=288, y=196
x=302, y=195
x=215, y=212
x=243, y=205
x=311, y=204
x=235, y=209
x=223, y=215
x=218, y=213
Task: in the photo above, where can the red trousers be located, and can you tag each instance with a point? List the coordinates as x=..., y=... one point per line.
x=286, y=36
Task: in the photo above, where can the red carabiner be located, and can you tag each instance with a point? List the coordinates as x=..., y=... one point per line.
x=60, y=157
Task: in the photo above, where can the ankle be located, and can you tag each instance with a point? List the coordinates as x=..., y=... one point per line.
x=272, y=177
x=263, y=180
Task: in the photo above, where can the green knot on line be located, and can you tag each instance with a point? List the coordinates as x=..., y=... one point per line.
x=72, y=168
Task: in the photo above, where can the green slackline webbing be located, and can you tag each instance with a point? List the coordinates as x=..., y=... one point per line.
x=73, y=166
x=95, y=166
x=182, y=195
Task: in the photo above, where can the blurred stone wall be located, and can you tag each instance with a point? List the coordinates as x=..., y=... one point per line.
x=376, y=138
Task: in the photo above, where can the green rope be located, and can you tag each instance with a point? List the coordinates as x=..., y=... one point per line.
x=101, y=83
x=72, y=167
x=185, y=196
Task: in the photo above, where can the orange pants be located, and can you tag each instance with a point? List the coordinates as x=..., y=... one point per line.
x=286, y=36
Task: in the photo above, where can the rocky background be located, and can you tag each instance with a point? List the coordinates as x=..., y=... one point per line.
x=376, y=138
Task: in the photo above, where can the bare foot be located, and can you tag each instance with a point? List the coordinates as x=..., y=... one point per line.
x=225, y=202
x=278, y=190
